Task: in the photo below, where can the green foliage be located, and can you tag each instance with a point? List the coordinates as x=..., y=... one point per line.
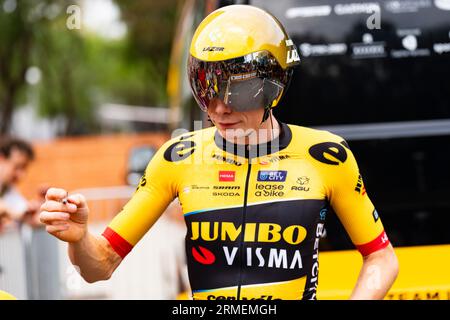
x=66, y=86
x=79, y=69
x=16, y=40
x=151, y=27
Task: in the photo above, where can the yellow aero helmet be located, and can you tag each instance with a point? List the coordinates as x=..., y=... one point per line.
x=242, y=55
x=237, y=30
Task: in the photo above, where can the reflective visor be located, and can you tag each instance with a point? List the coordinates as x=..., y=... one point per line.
x=253, y=81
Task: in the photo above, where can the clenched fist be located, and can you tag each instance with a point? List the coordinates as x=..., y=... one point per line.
x=66, y=220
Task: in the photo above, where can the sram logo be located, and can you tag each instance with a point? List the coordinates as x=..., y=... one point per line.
x=254, y=232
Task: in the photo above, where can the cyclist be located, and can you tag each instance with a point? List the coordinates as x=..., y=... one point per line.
x=254, y=191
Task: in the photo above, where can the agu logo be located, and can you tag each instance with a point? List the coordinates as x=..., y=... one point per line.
x=203, y=255
x=303, y=180
x=272, y=176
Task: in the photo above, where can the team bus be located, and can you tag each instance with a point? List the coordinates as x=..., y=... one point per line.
x=376, y=73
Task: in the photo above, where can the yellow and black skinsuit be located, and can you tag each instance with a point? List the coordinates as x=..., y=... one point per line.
x=254, y=214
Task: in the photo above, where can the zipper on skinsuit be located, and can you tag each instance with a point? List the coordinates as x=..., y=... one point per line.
x=242, y=237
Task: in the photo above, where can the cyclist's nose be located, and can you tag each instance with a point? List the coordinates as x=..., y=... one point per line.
x=219, y=107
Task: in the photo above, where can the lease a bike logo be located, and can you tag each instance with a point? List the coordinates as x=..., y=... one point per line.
x=272, y=176
x=269, y=190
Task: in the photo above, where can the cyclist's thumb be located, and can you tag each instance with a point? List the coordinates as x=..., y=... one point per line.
x=78, y=199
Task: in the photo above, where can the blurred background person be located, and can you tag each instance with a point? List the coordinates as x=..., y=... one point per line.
x=15, y=157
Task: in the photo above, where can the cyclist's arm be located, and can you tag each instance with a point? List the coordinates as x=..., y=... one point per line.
x=156, y=190
x=378, y=273
x=94, y=258
x=97, y=257
x=348, y=198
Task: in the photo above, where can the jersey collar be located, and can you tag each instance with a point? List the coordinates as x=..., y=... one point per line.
x=258, y=150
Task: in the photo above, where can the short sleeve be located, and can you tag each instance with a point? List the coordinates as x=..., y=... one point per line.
x=349, y=199
x=157, y=188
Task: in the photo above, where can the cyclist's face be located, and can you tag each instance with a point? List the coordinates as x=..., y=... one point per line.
x=233, y=124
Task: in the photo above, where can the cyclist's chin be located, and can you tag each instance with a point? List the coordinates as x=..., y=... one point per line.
x=234, y=133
